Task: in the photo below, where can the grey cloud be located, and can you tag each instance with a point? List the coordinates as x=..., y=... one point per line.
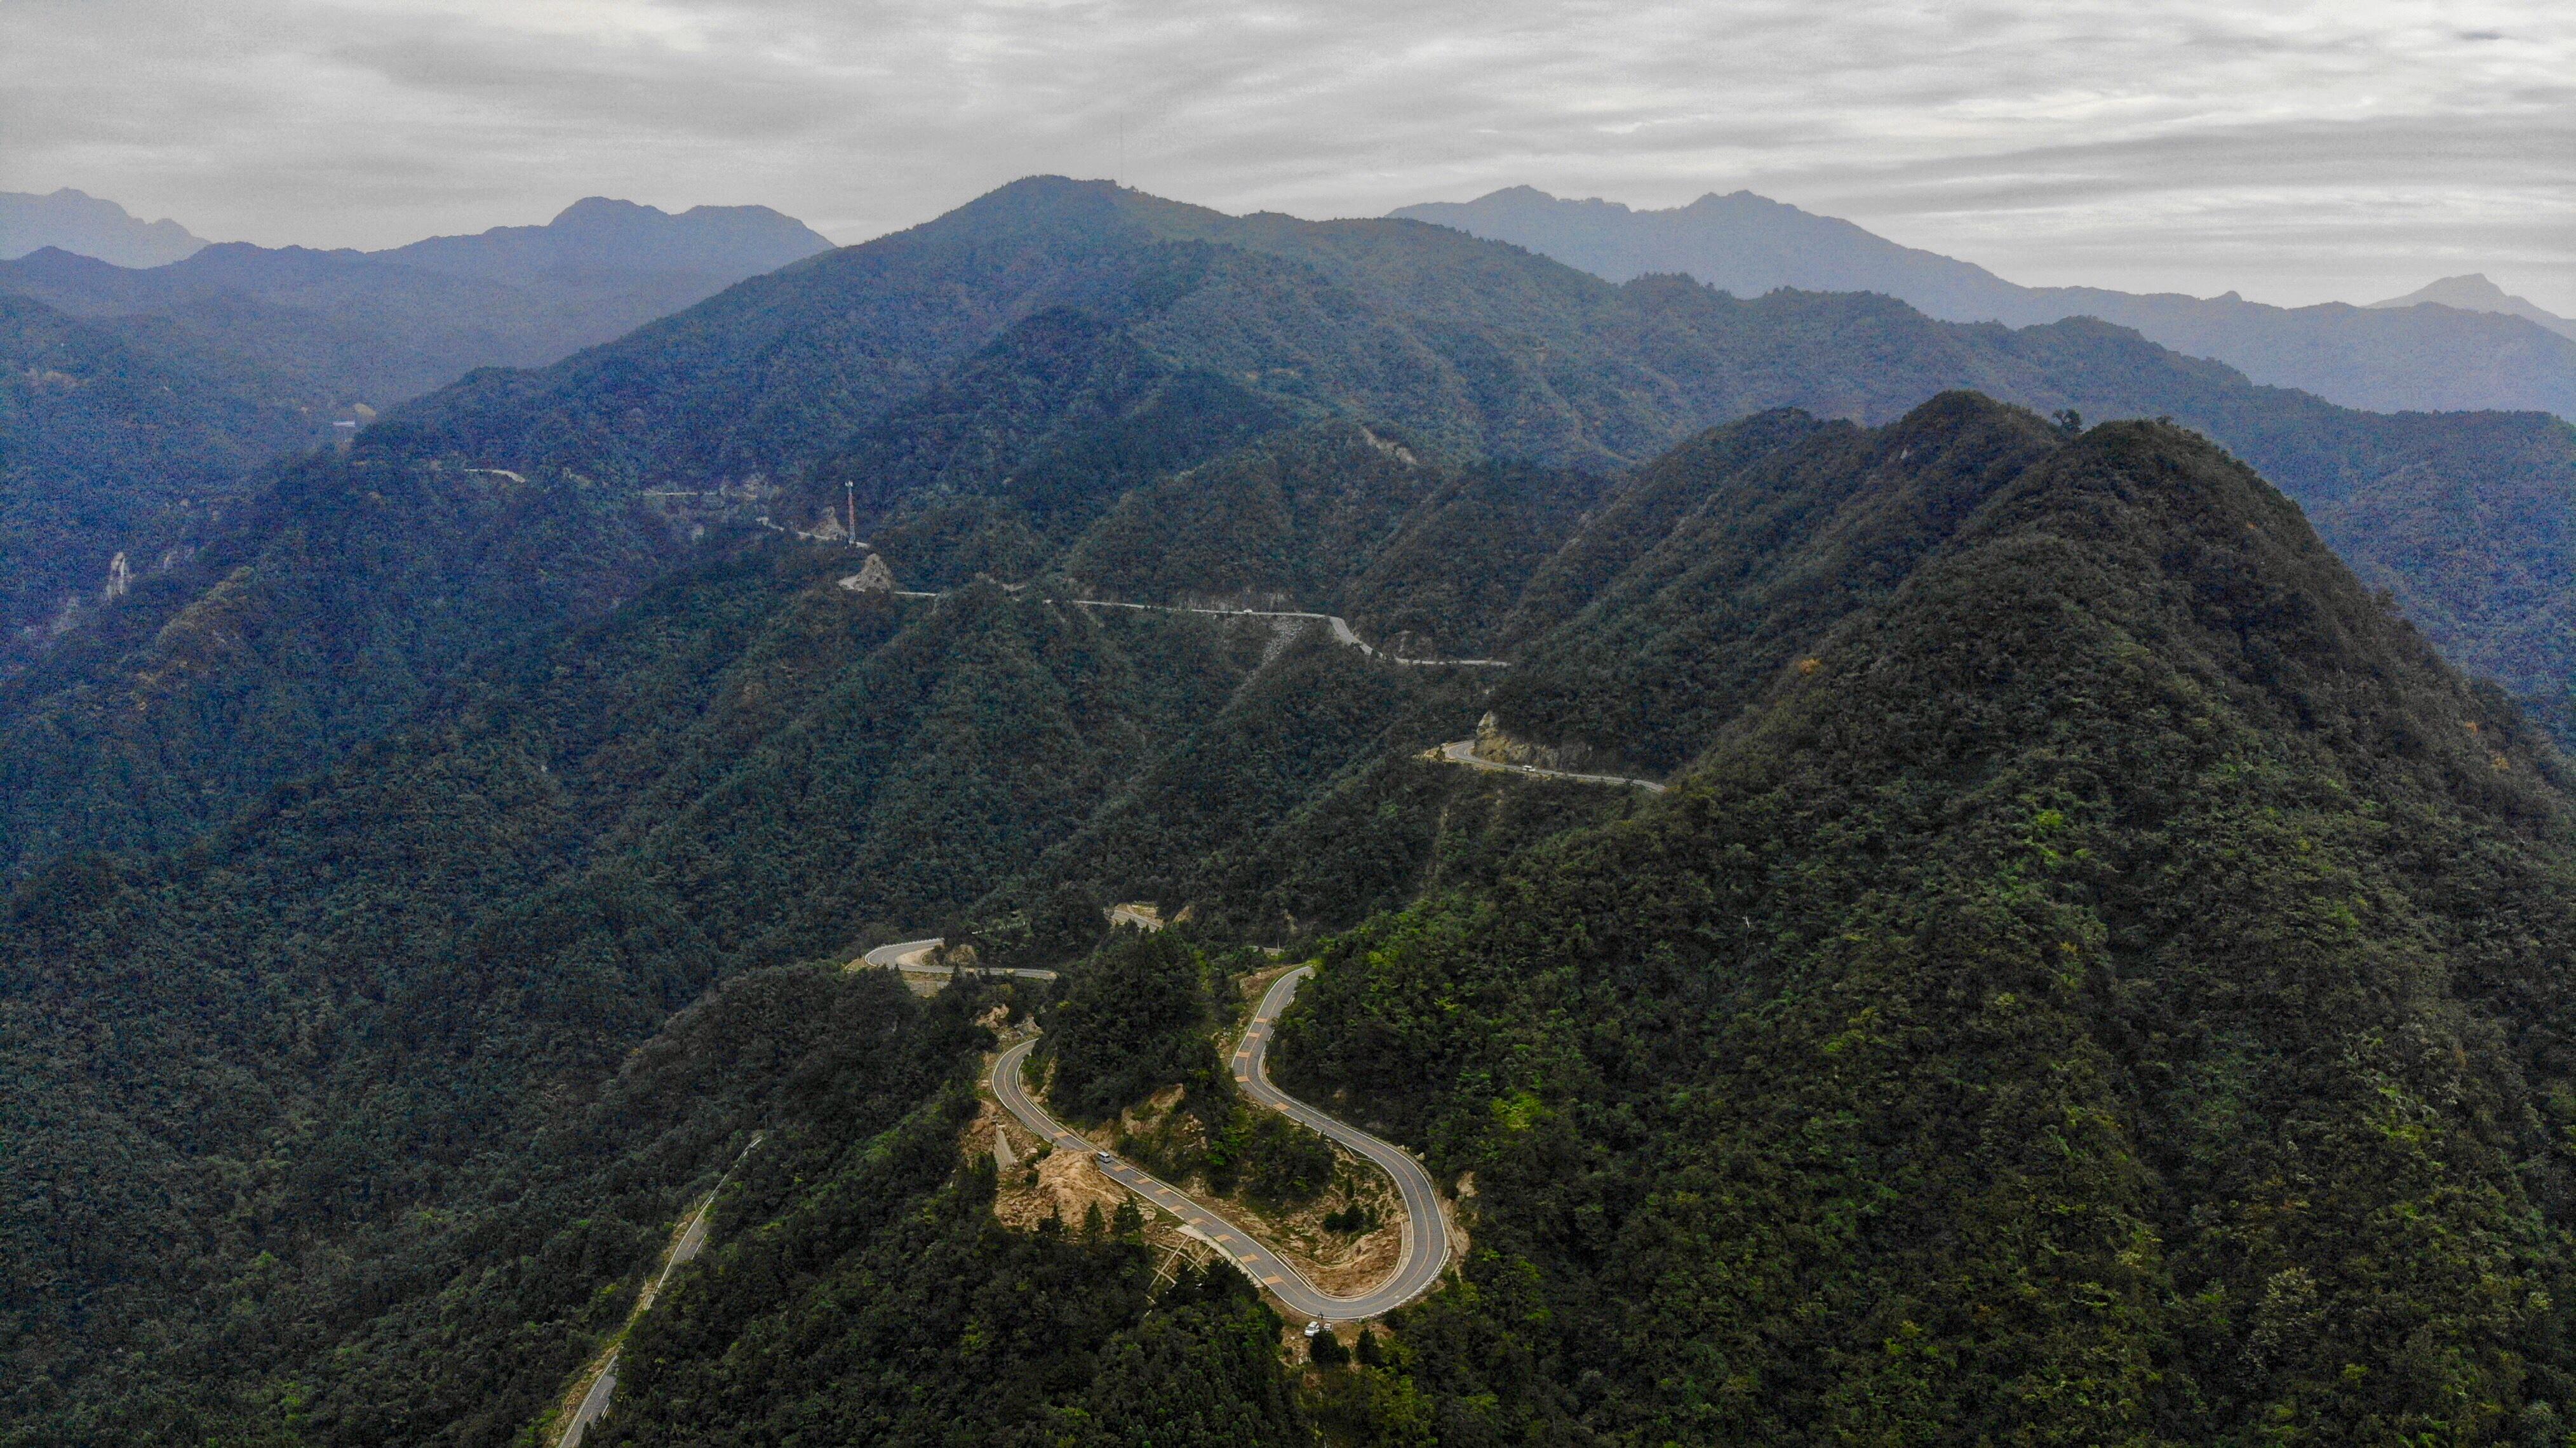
x=2198, y=143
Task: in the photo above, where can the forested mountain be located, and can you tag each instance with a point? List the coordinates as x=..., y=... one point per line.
x=2424, y=353
x=327, y=606
x=2097, y=974
x=2107, y=985
x=1479, y=351
x=117, y=440
x=2047, y=788
x=138, y=397
x=1008, y=372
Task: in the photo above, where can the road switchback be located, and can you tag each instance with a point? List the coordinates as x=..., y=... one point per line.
x=1425, y=1242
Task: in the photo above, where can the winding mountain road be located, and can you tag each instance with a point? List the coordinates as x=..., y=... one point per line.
x=1339, y=626
x=1425, y=1247
x=1463, y=751
x=911, y=955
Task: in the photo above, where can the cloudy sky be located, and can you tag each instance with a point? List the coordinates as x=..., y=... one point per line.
x=2294, y=151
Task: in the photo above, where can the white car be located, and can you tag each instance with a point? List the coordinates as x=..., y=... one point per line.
x=1104, y=1158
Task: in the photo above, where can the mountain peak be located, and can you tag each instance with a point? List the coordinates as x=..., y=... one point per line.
x=606, y=235
x=88, y=226
x=2472, y=292
x=591, y=210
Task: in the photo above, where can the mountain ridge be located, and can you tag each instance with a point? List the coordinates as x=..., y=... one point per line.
x=2472, y=292
x=381, y=326
x=2379, y=357
x=1503, y=354
x=1948, y=946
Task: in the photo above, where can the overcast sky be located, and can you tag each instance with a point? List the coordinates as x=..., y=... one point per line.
x=2293, y=151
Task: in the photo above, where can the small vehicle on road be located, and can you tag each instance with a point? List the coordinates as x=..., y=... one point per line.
x=1104, y=1158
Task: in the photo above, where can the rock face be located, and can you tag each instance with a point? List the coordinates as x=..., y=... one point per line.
x=873, y=577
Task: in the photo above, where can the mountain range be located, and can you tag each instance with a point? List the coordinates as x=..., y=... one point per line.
x=377, y=327
x=2094, y=970
x=1001, y=378
x=2458, y=344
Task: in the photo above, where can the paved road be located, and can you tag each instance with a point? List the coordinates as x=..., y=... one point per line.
x=693, y=1240
x=1338, y=625
x=1464, y=752
x=908, y=955
x=1425, y=1249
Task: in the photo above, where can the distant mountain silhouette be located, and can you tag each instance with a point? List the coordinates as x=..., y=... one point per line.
x=2458, y=355
x=2474, y=293
x=83, y=224
x=381, y=326
x=596, y=238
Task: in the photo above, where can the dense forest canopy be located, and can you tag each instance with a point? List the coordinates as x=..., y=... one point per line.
x=2096, y=975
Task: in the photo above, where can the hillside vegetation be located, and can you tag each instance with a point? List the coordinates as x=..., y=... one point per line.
x=1477, y=351
x=2115, y=995
x=2097, y=975
x=115, y=438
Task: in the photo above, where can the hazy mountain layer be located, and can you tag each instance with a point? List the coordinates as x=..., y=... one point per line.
x=2474, y=293
x=87, y=226
x=377, y=327
x=2390, y=357
x=164, y=388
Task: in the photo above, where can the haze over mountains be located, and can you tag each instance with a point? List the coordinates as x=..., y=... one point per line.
x=2098, y=973
x=2474, y=293
x=2452, y=346
x=377, y=327
x=87, y=226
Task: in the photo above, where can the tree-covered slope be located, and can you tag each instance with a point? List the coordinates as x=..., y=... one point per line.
x=114, y=438
x=321, y=609
x=2113, y=992
x=2091, y=978
x=1472, y=351
x=2098, y=974
x=1789, y=526
x=278, y=1099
